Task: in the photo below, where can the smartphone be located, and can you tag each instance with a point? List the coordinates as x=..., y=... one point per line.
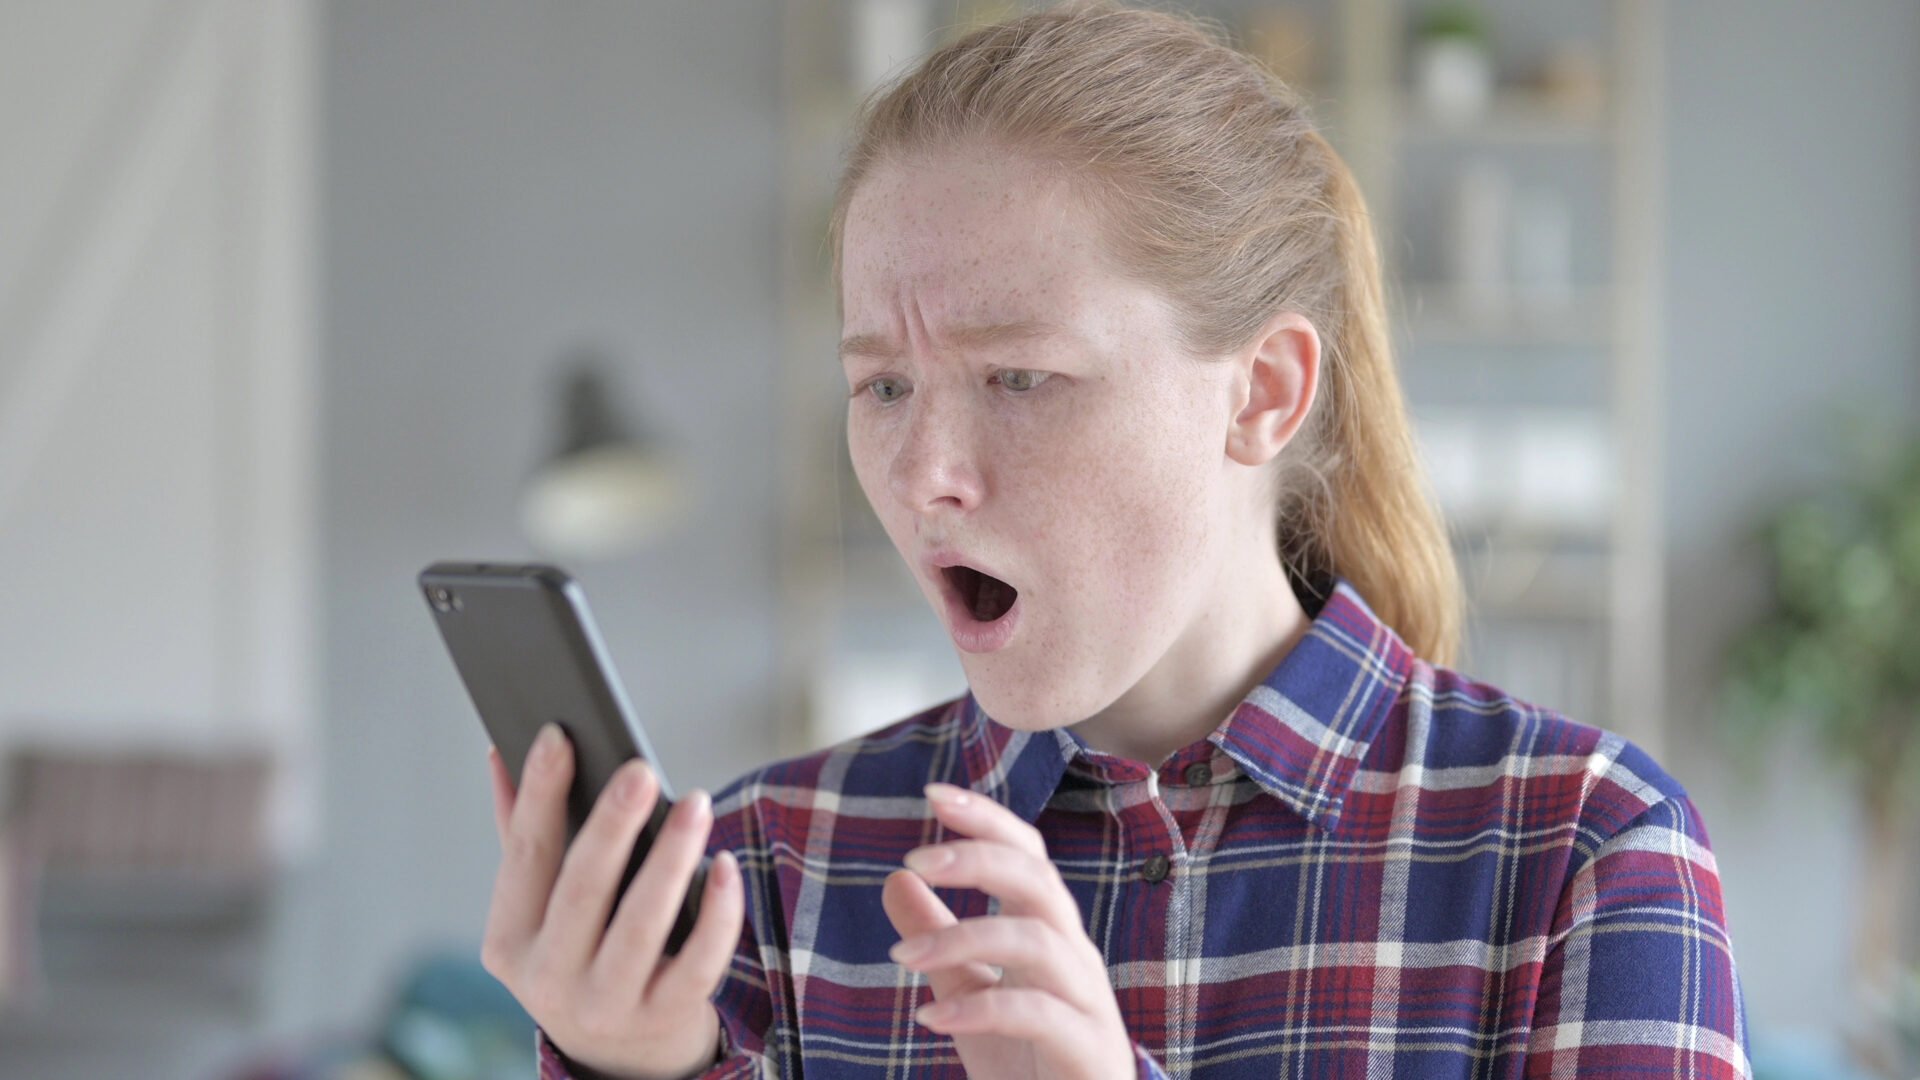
x=528, y=651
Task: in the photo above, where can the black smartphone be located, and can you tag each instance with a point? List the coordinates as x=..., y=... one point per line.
x=527, y=649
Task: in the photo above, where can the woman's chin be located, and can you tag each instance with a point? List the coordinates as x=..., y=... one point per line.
x=1012, y=702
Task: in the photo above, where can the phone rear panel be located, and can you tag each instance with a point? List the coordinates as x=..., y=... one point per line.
x=527, y=649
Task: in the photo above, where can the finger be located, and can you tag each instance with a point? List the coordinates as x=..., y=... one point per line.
x=1028, y=948
x=502, y=792
x=637, y=938
x=589, y=876
x=971, y=814
x=536, y=839
x=1015, y=1012
x=914, y=910
x=1026, y=884
x=704, y=957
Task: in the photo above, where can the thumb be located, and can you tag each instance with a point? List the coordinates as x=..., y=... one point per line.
x=913, y=909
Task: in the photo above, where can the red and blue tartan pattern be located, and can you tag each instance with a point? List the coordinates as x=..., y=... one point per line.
x=1375, y=868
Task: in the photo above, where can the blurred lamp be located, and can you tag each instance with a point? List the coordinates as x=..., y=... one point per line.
x=607, y=489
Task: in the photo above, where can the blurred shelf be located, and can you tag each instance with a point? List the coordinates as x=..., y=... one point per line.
x=1526, y=532
x=1515, y=116
x=1538, y=579
x=1439, y=313
x=134, y=898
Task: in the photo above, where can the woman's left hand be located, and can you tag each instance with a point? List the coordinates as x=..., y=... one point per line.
x=1049, y=1011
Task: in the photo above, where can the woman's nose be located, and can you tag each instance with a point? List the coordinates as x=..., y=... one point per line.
x=935, y=466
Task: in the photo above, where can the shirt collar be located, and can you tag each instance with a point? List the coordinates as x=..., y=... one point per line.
x=1020, y=769
x=1301, y=734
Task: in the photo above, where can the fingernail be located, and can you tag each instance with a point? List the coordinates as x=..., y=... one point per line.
x=947, y=794
x=934, y=1012
x=925, y=860
x=627, y=788
x=695, y=805
x=548, y=741
x=907, y=950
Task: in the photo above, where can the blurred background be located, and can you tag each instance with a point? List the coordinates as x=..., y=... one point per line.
x=297, y=296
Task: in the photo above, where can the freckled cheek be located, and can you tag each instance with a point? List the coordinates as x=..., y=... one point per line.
x=871, y=458
x=1101, y=523
x=1046, y=467
x=1151, y=534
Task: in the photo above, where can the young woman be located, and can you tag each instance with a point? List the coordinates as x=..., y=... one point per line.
x=1212, y=805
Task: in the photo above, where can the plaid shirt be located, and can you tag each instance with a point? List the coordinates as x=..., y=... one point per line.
x=1374, y=868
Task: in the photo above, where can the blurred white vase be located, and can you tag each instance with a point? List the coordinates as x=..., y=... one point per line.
x=1454, y=77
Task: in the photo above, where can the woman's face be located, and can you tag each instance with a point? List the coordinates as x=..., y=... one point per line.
x=1075, y=453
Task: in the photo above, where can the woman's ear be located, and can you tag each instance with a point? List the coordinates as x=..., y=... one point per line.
x=1275, y=379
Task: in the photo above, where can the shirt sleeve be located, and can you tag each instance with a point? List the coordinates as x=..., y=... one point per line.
x=1638, y=976
x=554, y=1065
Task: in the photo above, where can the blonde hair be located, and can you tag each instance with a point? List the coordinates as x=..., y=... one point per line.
x=1216, y=189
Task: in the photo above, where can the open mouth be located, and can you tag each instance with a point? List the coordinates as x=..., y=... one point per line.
x=986, y=597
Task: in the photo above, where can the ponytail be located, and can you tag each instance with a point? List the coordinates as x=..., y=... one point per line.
x=1382, y=532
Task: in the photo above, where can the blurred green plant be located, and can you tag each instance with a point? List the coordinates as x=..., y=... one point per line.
x=1452, y=19
x=1886, y=1039
x=1906, y=1020
x=1835, y=660
x=1837, y=655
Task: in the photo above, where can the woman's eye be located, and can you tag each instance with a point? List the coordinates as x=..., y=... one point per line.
x=886, y=391
x=1020, y=381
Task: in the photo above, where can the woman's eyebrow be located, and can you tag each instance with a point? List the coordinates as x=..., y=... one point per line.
x=876, y=346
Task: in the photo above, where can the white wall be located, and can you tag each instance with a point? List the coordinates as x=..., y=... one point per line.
x=156, y=394
x=502, y=182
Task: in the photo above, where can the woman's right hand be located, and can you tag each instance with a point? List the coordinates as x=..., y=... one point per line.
x=604, y=993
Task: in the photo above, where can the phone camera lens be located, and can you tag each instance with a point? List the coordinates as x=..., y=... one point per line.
x=443, y=599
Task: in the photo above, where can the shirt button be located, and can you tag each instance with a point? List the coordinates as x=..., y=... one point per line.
x=1199, y=775
x=1154, y=870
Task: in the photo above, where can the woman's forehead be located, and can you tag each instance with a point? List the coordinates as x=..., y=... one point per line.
x=1088, y=321
x=968, y=254
x=955, y=216
x=962, y=241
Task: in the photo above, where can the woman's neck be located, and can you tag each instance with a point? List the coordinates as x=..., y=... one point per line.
x=1250, y=622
